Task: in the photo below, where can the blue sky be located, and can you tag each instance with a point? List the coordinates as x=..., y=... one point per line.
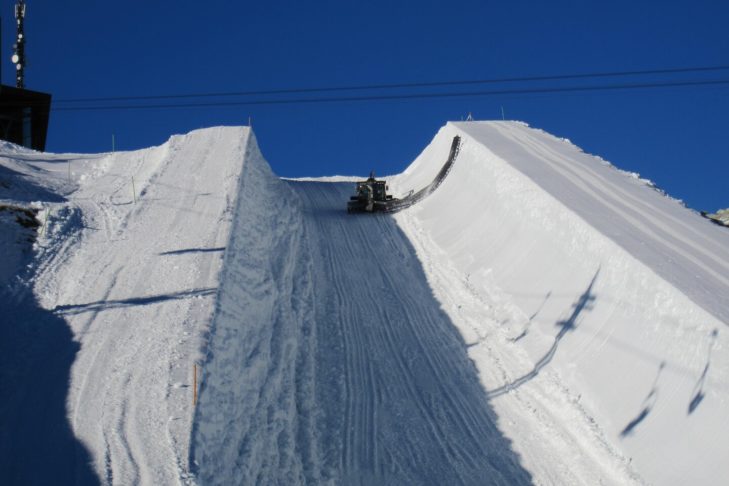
x=678, y=137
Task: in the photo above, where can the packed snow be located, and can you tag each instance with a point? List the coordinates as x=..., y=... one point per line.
x=127, y=271
x=542, y=317
x=596, y=307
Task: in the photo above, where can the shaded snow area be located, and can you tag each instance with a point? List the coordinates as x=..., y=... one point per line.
x=331, y=361
x=100, y=331
x=540, y=318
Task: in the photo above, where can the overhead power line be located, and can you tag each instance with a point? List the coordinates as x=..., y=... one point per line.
x=408, y=96
x=432, y=84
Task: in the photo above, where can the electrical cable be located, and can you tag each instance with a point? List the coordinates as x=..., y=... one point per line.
x=410, y=96
x=603, y=74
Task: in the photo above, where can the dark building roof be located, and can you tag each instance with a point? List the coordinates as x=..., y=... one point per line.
x=24, y=116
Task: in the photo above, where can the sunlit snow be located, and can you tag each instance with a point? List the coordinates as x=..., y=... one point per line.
x=542, y=317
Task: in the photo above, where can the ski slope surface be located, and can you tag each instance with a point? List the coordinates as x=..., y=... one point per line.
x=608, y=305
x=540, y=318
x=124, y=286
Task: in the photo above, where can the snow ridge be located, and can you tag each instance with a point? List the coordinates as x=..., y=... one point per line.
x=255, y=404
x=330, y=362
x=602, y=373
x=129, y=264
x=541, y=317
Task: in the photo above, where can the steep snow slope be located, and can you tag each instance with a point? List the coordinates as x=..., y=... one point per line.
x=126, y=276
x=330, y=361
x=37, y=350
x=541, y=317
x=246, y=419
x=594, y=307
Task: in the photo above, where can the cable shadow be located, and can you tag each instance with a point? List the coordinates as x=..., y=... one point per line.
x=192, y=250
x=648, y=403
x=584, y=302
x=103, y=305
x=41, y=157
x=698, y=391
x=37, y=444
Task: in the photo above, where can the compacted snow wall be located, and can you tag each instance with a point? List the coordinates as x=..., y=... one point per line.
x=593, y=307
x=571, y=281
x=246, y=420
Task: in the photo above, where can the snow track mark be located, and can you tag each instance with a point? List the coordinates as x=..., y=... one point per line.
x=689, y=257
x=411, y=407
x=138, y=297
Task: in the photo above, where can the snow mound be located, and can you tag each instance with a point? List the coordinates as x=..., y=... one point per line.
x=246, y=398
x=109, y=313
x=592, y=305
x=595, y=307
x=330, y=361
x=540, y=317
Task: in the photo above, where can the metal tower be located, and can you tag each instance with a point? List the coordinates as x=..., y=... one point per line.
x=23, y=113
x=19, y=46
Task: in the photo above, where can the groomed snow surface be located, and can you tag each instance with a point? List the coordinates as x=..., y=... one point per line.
x=542, y=317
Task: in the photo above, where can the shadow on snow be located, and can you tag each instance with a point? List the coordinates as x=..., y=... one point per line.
x=401, y=402
x=584, y=302
x=113, y=304
x=37, y=445
x=697, y=395
x=23, y=189
x=193, y=250
x=698, y=391
x=531, y=318
x=648, y=403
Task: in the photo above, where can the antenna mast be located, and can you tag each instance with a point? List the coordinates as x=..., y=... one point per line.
x=19, y=46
